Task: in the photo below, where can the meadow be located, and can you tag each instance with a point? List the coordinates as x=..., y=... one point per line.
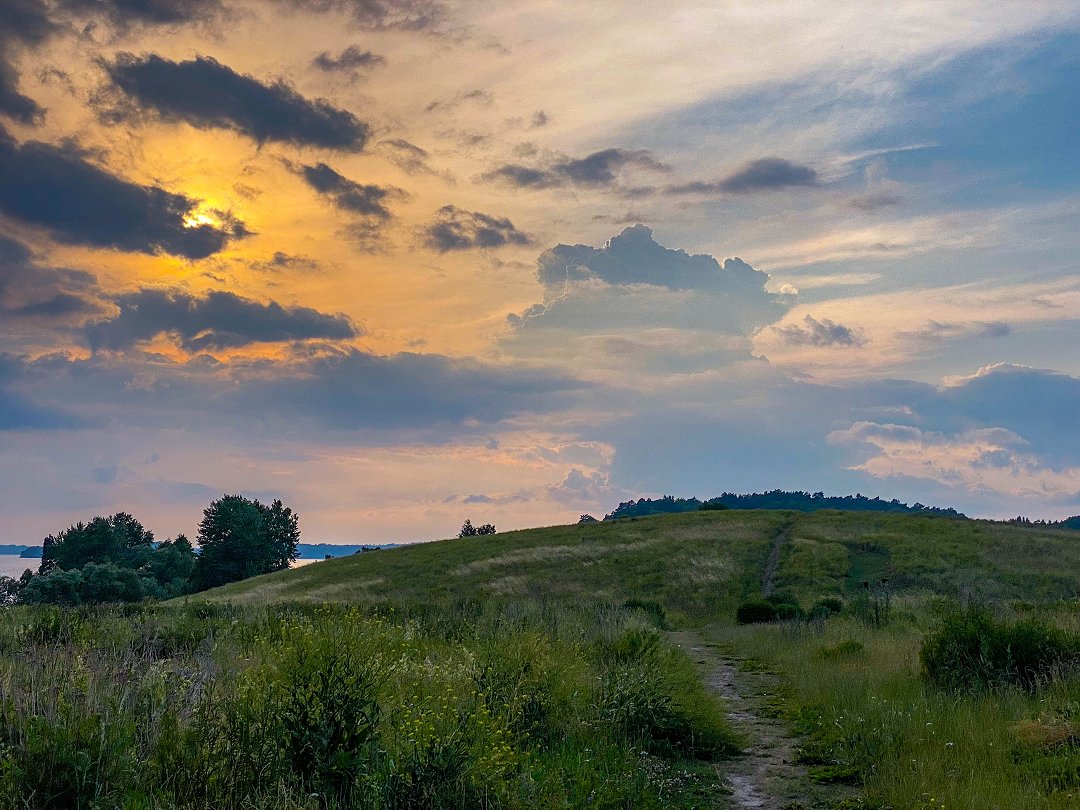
x=536, y=669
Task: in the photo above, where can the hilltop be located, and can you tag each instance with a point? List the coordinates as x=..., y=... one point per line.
x=795, y=500
x=698, y=565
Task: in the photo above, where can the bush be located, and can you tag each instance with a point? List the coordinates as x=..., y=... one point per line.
x=972, y=650
x=827, y=606
x=756, y=611
x=786, y=611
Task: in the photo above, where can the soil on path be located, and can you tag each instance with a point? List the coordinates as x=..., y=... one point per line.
x=772, y=563
x=765, y=776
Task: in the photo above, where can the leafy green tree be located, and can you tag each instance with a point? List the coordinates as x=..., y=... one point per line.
x=108, y=582
x=241, y=538
x=119, y=539
x=169, y=568
x=57, y=587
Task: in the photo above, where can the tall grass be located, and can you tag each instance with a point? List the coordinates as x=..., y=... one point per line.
x=343, y=707
x=868, y=715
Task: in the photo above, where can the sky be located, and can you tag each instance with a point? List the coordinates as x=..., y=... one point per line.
x=406, y=262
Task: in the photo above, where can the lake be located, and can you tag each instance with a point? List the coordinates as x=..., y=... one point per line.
x=12, y=565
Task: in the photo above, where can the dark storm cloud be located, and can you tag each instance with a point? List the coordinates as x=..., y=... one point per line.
x=765, y=174
x=821, y=333
x=348, y=195
x=58, y=188
x=217, y=320
x=28, y=289
x=598, y=169
x=350, y=60
x=207, y=94
x=23, y=23
x=456, y=229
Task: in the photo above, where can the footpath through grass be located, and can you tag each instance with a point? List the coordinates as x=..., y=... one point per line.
x=528, y=669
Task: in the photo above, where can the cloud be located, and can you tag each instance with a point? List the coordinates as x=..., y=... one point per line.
x=58, y=188
x=364, y=203
x=454, y=228
x=218, y=320
x=580, y=487
x=123, y=13
x=635, y=304
x=481, y=97
x=378, y=15
x=18, y=412
x=410, y=158
x=28, y=289
x=348, y=195
x=281, y=262
x=764, y=174
x=938, y=330
x=985, y=460
x=351, y=60
x=821, y=333
x=634, y=257
x=597, y=169
x=23, y=23
x=305, y=392
x=207, y=94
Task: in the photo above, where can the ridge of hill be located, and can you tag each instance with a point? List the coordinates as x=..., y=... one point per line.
x=698, y=566
x=774, y=499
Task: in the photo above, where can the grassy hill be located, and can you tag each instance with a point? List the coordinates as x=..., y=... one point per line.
x=699, y=566
x=535, y=669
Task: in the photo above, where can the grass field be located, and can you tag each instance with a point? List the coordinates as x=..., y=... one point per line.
x=530, y=669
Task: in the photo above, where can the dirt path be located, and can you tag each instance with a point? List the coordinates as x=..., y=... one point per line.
x=772, y=563
x=765, y=776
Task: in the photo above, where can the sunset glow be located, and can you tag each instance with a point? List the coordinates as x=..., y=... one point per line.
x=403, y=262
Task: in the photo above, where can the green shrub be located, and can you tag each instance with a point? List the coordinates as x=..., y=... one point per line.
x=785, y=611
x=973, y=650
x=827, y=606
x=755, y=611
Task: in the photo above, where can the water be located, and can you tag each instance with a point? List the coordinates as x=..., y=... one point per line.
x=12, y=565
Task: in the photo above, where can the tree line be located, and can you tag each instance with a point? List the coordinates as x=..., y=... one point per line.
x=116, y=559
x=774, y=499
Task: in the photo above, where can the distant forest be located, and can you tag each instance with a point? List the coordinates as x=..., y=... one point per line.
x=776, y=499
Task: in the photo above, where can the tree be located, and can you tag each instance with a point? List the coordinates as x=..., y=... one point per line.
x=119, y=539
x=169, y=568
x=241, y=538
x=9, y=591
x=468, y=530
